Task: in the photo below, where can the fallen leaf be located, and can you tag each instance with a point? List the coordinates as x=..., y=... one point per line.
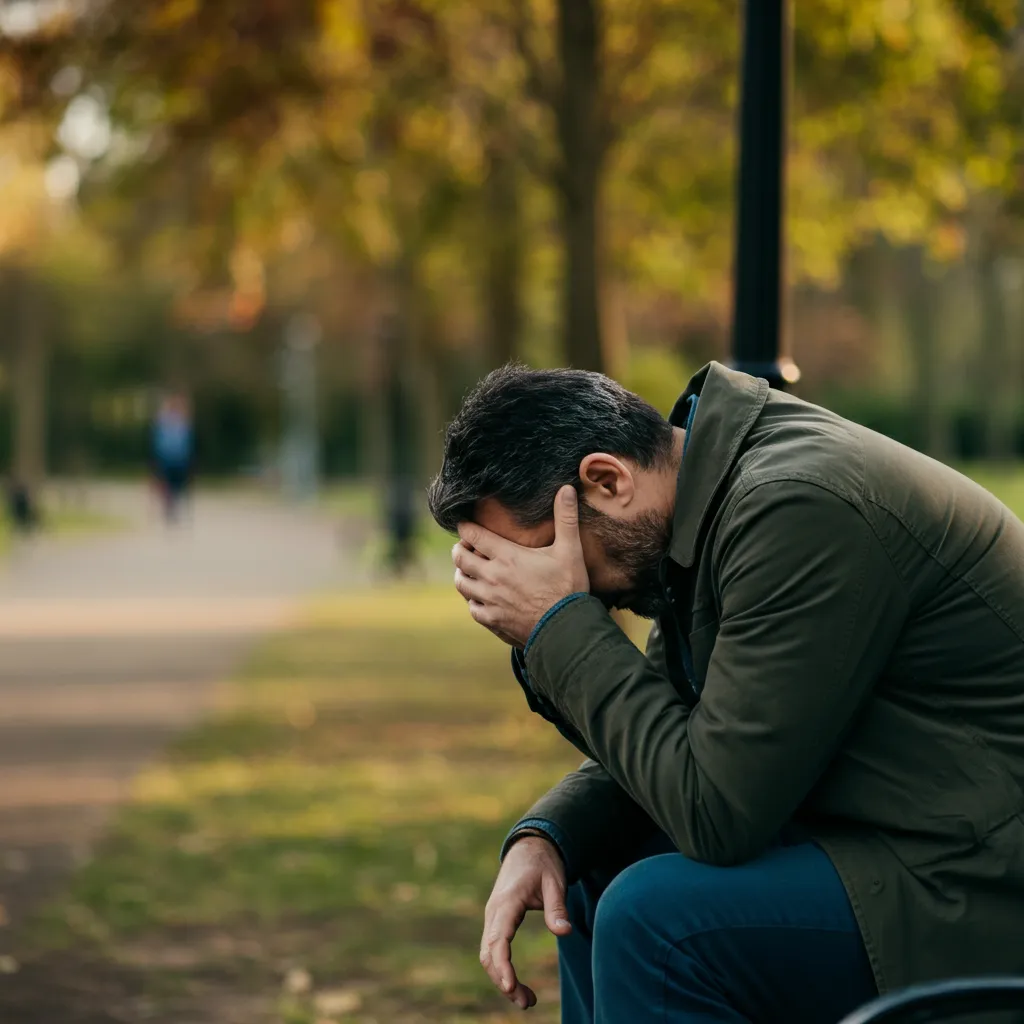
x=16, y=861
x=405, y=892
x=298, y=981
x=334, y=1001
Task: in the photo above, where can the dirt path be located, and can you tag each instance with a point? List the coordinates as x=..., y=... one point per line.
x=109, y=646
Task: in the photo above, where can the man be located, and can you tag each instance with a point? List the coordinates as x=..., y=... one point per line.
x=811, y=788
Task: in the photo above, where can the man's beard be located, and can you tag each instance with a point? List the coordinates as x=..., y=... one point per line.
x=636, y=547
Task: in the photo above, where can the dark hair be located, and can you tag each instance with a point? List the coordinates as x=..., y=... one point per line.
x=521, y=435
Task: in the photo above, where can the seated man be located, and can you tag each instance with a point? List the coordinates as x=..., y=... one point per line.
x=811, y=788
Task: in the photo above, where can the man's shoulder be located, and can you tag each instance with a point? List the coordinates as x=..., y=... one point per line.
x=806, y=447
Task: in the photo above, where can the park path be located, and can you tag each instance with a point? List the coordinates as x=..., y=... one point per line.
x=110, y=645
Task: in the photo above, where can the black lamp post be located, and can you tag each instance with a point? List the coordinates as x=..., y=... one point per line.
x=759, y=270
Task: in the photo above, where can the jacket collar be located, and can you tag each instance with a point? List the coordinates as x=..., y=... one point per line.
x=729, y=404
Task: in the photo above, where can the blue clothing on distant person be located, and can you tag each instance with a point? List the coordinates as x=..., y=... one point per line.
x=172, y=439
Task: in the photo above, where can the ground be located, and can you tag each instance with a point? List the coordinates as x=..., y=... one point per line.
x=110, y=645
x=318, y=851
x=319, y=848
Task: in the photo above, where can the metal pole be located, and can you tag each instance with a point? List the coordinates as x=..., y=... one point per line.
x=760, y=206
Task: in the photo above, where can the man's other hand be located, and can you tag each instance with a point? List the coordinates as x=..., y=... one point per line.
x=532, y=877
x=510, y=587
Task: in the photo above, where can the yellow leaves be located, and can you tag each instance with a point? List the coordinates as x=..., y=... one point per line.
x=172, y=14
x=985, y=171
x=818, y=245
x=249, y=295
x=948, y=187
x=425, y=130
x=862, y=31
x=464, y=146
x=893, y=24
x=183, y=104
x=948, y=242
x=620, y=38
x=343, y=42
x=29, y=219
x=901, y=214
x=820, y=130
x=371, y=215
x=654, y=374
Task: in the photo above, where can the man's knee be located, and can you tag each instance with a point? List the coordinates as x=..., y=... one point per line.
x=632, y=911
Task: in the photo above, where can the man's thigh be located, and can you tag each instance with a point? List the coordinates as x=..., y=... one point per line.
x=771, y=940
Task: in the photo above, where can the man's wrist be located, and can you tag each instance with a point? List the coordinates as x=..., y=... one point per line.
x=538, y=828
x=530, y=833
x=550, y=614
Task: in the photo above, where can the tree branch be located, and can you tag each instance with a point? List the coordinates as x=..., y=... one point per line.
x=623, y=113
x=538, y=82
x=619, y=113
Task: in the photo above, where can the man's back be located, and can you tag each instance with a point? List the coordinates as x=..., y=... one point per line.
x=922, y=808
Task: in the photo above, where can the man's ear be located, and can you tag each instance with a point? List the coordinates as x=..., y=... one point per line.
x=608, y=483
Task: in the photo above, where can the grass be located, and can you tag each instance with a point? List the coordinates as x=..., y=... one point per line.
x=360, y=501
x=1006, y=482
x=78, y=522
x=64, y=522
x=320, y=851
x=340, y=821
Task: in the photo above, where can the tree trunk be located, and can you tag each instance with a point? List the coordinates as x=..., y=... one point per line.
x=615, y=329
x=927, y=354
x=580, y=132
x=996, y=403
x=30, y=389
x=504, y=255
x=426, y=388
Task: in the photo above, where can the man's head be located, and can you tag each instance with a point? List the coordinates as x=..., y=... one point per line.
x=522, y=434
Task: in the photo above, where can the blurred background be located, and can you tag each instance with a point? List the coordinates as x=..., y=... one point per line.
x=252, y=254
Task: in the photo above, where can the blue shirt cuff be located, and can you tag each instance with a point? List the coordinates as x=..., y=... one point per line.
x=546, y=618
x=549, y=828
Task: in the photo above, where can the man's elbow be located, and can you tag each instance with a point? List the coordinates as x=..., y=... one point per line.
x=722, y=844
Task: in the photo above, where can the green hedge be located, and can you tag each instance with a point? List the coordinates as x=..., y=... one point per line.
x=965, y=423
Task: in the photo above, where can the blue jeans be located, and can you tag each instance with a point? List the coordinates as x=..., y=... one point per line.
x=673, y=940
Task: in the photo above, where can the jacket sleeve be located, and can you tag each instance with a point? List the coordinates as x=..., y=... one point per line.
x=595, y=821
x=810, y=609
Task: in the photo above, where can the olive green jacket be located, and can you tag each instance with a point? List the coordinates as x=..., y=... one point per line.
x=846, y=657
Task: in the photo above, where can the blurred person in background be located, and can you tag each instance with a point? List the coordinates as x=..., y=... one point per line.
x=173, y=445
x=403, y=496
x=22, y=512
x=811, y=787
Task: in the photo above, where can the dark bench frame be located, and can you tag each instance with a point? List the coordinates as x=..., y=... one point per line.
x=942, y=1000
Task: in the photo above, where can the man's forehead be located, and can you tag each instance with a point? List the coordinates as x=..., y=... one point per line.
x=493, y=516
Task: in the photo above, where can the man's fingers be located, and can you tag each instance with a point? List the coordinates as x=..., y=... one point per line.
x=486, y=543
x=496, y=952
x=469, y=561
x=496, y=959
x=471, y=589
x=506, y=639
x=555, y=916
x=524, y=997
x=483, y=614
x=499, y=982
x=567, y=520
